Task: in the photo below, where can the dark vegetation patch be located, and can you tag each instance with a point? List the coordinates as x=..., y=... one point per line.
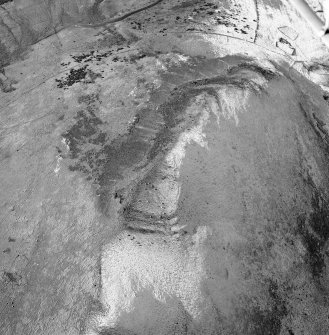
x=104, y=161
x=117, y=57
x=134, y=58
x=317, y=66
x=139, y=229
x=171, y=112
x=6, y=84
x=120, y=196
x=74, y=76
x=12, y=277
x=218, y=16
x=94, y=12
x=266, y=73
x=5, y=57
x=5, y=1
x=190, y=15
x=266, y=321
x=279, y=307
x=241, y=83
x=82, y=74
x=86, y=57
x=85, y=131
x=314, y=230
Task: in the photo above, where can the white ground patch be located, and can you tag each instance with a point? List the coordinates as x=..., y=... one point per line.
x=166, y=271
x=174, y=159
x=58, y=163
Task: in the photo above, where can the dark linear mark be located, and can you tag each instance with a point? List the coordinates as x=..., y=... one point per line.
x=120, y=18
x=314, y=228
x=318, y=127
x=74, y=76
x=268, y=320
x=266, y=73
x=257, y=23
x=143, y=230
x=314, y=231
